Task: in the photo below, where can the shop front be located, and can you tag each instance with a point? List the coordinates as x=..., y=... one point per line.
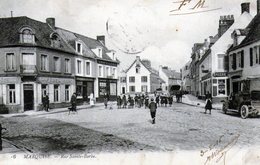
x=220, y=84
x=108, y=86
x=84, y=87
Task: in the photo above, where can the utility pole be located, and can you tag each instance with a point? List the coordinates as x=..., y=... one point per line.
x=11, y=13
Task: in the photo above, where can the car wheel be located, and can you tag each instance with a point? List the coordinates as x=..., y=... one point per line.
x=244, y=111
x=224, y=108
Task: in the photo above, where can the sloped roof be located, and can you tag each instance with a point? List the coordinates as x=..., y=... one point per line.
x=172, y=74
x=10, y=28
x=253, y=34
x=225, y=41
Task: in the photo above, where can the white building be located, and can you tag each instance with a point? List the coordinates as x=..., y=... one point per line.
x=141, y=77
x=217, y=77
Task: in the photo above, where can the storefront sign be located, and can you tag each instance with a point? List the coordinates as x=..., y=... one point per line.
x=11, y=80
x=220, y=74
x=84, y=79
x=47, y=80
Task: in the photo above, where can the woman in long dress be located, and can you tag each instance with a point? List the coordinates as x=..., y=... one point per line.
x=91, y=100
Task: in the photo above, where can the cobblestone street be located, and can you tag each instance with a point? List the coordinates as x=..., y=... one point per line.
x=96, y=130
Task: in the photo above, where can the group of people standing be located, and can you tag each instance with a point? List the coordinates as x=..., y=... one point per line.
x=164, y=100
x=131, y=102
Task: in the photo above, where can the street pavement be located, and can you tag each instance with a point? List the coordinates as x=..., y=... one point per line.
x=95, y=130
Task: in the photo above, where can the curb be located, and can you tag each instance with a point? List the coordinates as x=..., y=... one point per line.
x=199, y=106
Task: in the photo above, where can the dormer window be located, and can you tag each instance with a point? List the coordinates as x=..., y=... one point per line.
x=27, y=35
x=55, y=40
x=137, y=68
x=79, y=47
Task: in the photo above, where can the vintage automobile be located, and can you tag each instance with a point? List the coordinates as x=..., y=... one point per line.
x=246, y=104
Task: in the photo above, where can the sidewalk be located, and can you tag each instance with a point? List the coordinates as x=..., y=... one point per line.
x=52, y=111
x=192, y=100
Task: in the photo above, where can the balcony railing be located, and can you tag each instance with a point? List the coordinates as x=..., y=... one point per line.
x=28, y=69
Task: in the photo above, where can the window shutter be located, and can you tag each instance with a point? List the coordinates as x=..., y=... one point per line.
x=259, y=54
x=234, y=62
x=242, y=59
x=251, y=56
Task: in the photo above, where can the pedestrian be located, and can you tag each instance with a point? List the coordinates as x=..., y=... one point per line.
x=1, y=143
x=73, y=102
x=162, y=100
x=146, y=102
x=124, y=101
x=142, y=100
x=170, y=100
x=139, y=101
x=119, y=102
x=106, y=99
x=208, y=105
x=91, y=100
x=157, y=99
x=45, y=102
x=153, y=107
x=165, y=101
x=136, y=100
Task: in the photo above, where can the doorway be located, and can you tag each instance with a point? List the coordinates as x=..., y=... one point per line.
x=28, y=97
x=123, y=90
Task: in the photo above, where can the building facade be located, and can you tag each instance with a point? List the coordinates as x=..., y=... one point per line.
x=37, y=58
x=141, y=77
x=244, y=62
x=170, y=77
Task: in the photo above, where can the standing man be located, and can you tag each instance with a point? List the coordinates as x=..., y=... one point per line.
x=153, y=107
x=106, y=99
x=47, y=103
x=73, y=102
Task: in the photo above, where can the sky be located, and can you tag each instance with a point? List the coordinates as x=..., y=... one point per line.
x=145, y=28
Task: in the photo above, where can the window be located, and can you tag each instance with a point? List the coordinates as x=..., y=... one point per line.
x=67, y=93
x=56, y=93
x=44, y=89
x=87, y=68
x=113, y=72
x=44, y=62
x=79, y=89
x=113, y=89
x=100, y=70
x=132, y=88
x=144, y=88
x=221, y=87
x=107, y=72
x=79, y=65
x=220, y=61
x=131, y=79
x=11, y=94
x=102, y=88
x=251, y=57
x=55, y=41
x=56, y=64
x=144, y=79
x=239, y=59
x=79, y=47
x=10, y=61
x=123, y=79
x=67, y=65
x=137, y=70
x=27, y=36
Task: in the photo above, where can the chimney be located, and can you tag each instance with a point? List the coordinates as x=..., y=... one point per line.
x=245, y=7
x=224, y=24
x=258, y=6
x=101, y=39
x=51, y=22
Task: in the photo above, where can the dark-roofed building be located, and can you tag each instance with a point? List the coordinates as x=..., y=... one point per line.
x=170, y=77
x=39, y=58
x=141, y=77
x=244, y=57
